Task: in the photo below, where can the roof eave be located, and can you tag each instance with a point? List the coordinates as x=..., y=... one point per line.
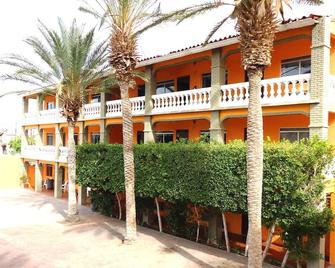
x=234, y=40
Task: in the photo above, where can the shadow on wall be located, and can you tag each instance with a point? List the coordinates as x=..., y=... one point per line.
x=11, y=169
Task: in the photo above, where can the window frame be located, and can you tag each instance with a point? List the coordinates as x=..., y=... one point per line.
x=49, y=170
x=164, y=133
x=298, y=131
x=48, y=135
x=203, y=77
x=93, y=136
x=159, y=84
x=300, y=60
x=51, y=105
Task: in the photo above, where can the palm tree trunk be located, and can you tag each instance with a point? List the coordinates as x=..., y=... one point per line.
x=129, y=169
x=72, y=213
x=255, y=168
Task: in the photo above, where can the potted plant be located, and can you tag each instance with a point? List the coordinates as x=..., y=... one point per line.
x=24, y=181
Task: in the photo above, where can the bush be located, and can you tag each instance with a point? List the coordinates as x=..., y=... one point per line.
x=215, y=175
x=15, y=145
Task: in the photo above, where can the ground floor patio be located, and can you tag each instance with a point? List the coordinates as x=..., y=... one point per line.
x=33, y=233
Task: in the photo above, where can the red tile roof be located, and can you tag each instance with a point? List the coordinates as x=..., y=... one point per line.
x=311, y=16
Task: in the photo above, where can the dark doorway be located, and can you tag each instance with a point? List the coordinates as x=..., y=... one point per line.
x=183, y=83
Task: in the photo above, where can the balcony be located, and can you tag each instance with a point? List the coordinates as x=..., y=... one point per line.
x=276, y=91
x=45, y=153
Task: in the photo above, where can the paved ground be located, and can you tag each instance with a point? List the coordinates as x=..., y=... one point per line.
x=33, y=233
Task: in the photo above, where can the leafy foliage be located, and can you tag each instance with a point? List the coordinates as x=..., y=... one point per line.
x=215, y=176
x=15, y=144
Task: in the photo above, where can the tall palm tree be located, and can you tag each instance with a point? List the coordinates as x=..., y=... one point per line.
x=127, y=20
x=256, y=23
x=70, y=63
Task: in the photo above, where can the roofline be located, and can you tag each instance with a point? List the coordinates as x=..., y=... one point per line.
x=233, y=40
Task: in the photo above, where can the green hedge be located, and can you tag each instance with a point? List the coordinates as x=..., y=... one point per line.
x=211, y=175
x=214, y=175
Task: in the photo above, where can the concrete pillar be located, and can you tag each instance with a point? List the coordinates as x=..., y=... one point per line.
x=24, y=137
x=24, y=105
x=103, y=104
x=217, y=74
x=150, y=88
x=58, y=140
x=57, y=181
x=39, y=103
x=103, y=131
x=320, y=62
x=38, y=177
x=216, y=130
x=81, y=134
x=214, y=227
x=149, y=135
x=39, y=137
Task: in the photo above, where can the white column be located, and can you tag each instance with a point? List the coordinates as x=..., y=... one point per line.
x=150, y=87
x=38, y=177
x=57, y=181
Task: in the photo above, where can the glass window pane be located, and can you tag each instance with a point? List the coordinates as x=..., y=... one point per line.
x=303, y=135
x=291, y=68
x=168, y=137
x=290, y=136
x=206, y=80
x=305, y=67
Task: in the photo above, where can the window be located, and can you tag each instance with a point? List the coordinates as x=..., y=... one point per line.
x=164, y=137
x=63, y=135
x=76, y=138
x=182, y=134
x=296, y=67
x=294, y=134
x=96, y=98
x=50, y=105
x=49, y=170
x=205, y=136
x=95, y=137
x=141, y=91
x=183, y=83
x=206, y=80
x=140, y=137
x=165, y=87
x=50, y=139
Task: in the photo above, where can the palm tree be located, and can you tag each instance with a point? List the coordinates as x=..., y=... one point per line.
x=70, y=64
x=127, y=20
x=256, y=22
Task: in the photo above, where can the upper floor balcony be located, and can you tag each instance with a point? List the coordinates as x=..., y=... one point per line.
x=276, y=91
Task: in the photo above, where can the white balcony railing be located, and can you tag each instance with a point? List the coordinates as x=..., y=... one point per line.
x=113, y=108
x=46, y=153
x=291, y=89
x=276, y=91
x=92, y=110
x=63, y=153
x=188, y=100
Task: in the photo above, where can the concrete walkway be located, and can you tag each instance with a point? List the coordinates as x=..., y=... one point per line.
x=33, y=233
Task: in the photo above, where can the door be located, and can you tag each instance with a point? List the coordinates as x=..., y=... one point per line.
x=183, y=83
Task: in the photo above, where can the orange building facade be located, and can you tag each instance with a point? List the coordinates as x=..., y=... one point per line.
x=196, y=92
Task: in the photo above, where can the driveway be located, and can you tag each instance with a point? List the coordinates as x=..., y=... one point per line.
x=33, y=233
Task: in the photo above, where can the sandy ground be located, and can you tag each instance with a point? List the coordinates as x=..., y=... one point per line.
x=33, y=233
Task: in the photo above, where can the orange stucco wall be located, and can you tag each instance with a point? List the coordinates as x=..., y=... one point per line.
x=331, y=128
x=48, y=99
x=31, y=175
x=90, y=130
x=272, y=124
x=115, y=134
x=332, y=56
x=46, y=131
